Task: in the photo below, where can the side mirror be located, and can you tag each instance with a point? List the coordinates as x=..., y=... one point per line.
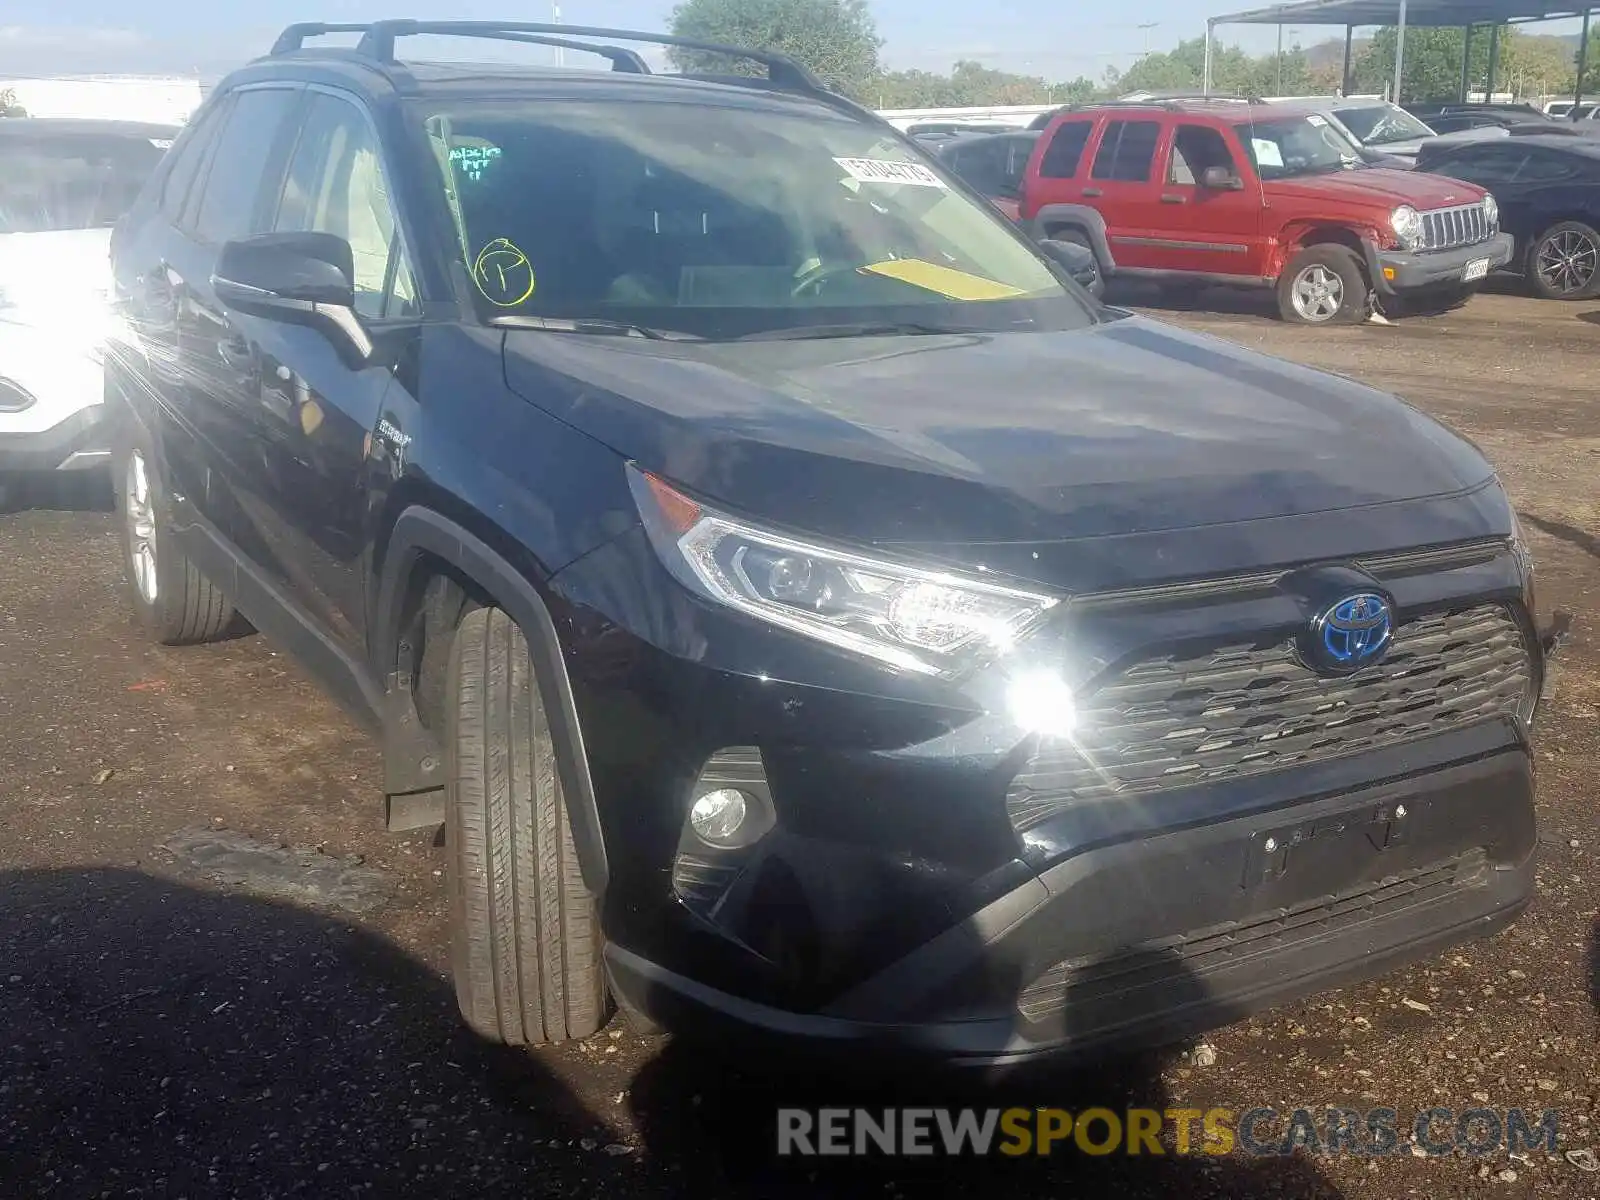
x=1077, y=261
x=1220, y=179
x=298, y=278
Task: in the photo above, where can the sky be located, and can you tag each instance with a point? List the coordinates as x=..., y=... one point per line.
x=208, y=37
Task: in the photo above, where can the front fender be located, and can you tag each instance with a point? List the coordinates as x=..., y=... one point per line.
x=418, y=531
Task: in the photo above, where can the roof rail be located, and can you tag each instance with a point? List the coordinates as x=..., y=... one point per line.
x=293, y=38
x=378, y=38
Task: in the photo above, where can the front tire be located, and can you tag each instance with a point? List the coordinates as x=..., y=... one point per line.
x=1564, y=262
x=1324, y=285
x=174, y=603
x=525, y=930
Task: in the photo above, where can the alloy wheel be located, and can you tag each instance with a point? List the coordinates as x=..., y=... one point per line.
x=1567, y=262
x=1317, y=293
x=141, y=515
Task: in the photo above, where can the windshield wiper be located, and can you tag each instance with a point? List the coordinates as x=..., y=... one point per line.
x=591, y=325
x=862, y=329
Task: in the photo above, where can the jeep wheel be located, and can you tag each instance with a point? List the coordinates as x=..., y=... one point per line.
x=525, y=932
x=1324, y=285
x=172, y=600
x=1564, y=262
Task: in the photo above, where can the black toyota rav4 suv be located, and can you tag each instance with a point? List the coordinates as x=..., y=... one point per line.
x=807, y=611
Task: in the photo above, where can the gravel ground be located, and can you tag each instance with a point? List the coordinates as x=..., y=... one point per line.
x=219, y=976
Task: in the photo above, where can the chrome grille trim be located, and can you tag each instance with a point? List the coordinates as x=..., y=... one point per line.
x=1447, y=228
x=1226, y=712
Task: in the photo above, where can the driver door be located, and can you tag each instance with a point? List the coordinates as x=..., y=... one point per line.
x=1220, y=229
x=304, y=500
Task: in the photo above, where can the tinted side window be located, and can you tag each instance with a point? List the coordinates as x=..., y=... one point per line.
x=336, y=185
x=186, y=159
x=1062, y=156
x=981, y=165
x=1546, y=168
x=1127, y=150
x=231, y=204
x=1486, y=166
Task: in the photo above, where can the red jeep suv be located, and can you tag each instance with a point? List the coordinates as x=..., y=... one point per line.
x=1229, y=192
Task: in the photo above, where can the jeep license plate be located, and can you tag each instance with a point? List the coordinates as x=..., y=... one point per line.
x=1476, y=269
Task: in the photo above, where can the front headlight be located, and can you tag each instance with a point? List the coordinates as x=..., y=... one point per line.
x=1407, y=225
x=1491, y=210
x=914, y=619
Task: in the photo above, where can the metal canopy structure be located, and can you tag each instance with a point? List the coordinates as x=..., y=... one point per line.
x=1403, y=14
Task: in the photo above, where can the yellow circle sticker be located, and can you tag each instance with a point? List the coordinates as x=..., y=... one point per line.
x=503, y=274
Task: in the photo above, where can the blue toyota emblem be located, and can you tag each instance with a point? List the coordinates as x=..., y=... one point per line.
x=1351, y=633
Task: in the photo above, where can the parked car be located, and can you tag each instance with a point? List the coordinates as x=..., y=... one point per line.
x=994, y=164
x=1451, y=117
x=63, y=184
x=1549, y=192
x=1388, y=136
x=1197, y=193
x=807, y=613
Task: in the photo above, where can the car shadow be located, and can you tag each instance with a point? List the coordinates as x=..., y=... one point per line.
x=1570, y=534
x=727, y=1133
x=164, y=1039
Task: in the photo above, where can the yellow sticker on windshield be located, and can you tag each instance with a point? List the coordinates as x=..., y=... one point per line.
x=503, y=274
x=946, y=281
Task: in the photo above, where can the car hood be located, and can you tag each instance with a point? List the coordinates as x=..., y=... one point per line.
x=1129, y=428
x=1379, y=185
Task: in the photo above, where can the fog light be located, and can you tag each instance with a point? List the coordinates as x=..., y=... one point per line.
x=1041, y=702
x=717, y=816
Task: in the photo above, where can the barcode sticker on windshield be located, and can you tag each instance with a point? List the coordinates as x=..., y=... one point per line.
x=878, y=170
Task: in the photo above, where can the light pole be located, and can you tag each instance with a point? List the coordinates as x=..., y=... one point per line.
x=555, y=19
x=1145, y=29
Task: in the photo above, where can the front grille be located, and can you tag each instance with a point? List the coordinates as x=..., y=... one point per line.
x=1179, y=966
x=1447, y=228
x=1200, y=717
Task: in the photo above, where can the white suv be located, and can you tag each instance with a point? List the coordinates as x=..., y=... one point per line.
x=63, y=185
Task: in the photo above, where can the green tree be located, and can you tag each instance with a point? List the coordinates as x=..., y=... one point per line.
x=8, y=104
x=837, y=39
x=1233, y=71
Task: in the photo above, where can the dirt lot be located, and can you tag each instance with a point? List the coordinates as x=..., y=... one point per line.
x=167, y=1035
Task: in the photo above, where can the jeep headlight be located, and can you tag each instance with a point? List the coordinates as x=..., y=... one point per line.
x=908, y=617
x=1491, y=210
x=1407, y=225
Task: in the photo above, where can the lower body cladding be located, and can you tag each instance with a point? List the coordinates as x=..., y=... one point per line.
x=832, y=867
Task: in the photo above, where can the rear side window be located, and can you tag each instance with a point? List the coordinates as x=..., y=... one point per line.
x=1543, y=168
x=231, y=206
x=186, y=159
x=1065, y=151
x=71, y=181
x=1127, y=150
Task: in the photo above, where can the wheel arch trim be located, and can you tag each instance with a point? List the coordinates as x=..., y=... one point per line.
x=417, y=531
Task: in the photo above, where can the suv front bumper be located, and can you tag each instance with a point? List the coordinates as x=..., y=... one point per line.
x=77, y=442
x=1150, y=941
x=1395, y=271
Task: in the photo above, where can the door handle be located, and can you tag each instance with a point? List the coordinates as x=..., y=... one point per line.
x=1169, y=198
x=1094, y=191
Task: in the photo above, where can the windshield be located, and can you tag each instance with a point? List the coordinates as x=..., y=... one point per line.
x=1380, y=124
x=1295, y=146
x=726, y=221
x=73, y=182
